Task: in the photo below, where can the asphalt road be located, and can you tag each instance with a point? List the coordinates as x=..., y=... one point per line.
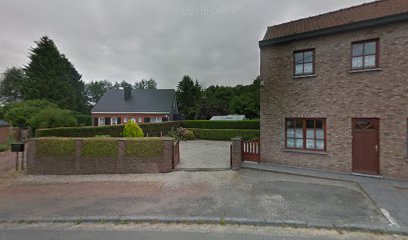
x=173, y=232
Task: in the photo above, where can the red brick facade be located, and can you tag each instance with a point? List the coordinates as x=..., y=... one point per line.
x=337, y=94
x=139, y=118
x=4, y=133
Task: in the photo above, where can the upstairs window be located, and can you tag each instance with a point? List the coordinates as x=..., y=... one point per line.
x=304, y=62
x=364, y=55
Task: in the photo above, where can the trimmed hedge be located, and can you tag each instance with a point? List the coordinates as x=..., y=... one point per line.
x=225, y=134
x=83, y=120
x=55, y=147
x=207, y=124
x=153, y=129
x=99, y=147
x=137, y=148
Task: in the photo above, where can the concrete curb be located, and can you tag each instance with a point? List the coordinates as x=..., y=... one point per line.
x=211, y=220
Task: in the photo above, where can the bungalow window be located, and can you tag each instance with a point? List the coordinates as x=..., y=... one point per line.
x=304, y=62
x=101, y=121
x=139, y=120
x=364, y=54
x=125, y=119
x=114, y=121
x=306, y=134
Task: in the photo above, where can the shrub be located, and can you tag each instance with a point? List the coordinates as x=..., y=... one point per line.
x=208, y=124
x=20, y=112
x=153, y=129
x=224, y=134
x=131, y=129
x=83, y=120
x=51, y=118
x=99, y=147
x=55, y=147
x=4, y=147
x=149, y=147
x=184, y=134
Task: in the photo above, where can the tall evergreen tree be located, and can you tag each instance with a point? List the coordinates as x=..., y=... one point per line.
x=188, y=95
x=51, y=76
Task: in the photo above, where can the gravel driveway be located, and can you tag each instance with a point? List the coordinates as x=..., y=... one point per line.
x=202, y=154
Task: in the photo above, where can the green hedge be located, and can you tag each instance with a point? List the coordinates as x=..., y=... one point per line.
x=207, y=124
x=141, y=148
x=99, y=147
x=153, y=129
x=55, y=147
x=83, y=120
x=224, y=134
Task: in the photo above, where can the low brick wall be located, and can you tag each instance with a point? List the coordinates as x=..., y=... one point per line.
x=72, y=156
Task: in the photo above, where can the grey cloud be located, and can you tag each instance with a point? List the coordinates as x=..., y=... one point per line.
x=214, y=41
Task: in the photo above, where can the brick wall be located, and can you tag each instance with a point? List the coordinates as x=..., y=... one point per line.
x=129, y=116
x=78, y=164
x=4, y=134
x=338, y=95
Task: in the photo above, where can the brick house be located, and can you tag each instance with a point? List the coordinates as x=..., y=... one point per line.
x=334, y=91
x=117, y=106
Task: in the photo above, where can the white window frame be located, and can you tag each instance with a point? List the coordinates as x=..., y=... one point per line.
x=139, y=120
x=132, y=119
x=125, y=119
x=114, y=121
x=101, y=121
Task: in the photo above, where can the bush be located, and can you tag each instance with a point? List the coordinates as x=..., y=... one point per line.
x=51, y=118
x=99, y=147
x=55, y=147
x=224, y=134
x=4, y=147
x=208, y=124
x=83, y=120
x=184, y=134
x=152, y=148
x=19, y=113
x=153, y=129
x=131, y=129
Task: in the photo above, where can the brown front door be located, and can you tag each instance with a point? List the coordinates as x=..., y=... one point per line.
x=366, y=145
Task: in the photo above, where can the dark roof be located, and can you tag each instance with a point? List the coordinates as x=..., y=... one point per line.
x=141, y=101
x=4, y=123
x=361, y=13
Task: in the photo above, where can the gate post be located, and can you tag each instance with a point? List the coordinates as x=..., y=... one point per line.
x=236, y=154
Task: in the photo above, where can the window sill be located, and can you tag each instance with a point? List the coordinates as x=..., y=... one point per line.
x=365, y=70
x=306, y=151
x=304, y=76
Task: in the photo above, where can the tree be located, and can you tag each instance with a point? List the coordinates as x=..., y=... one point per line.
x=11, y=85
x=122, y=84
x=146, y=84
x=188, y=96
x=96, y=89
x=245, y=105
x=51, y=76
x=132, y=129
x=19, y=113
x=52, y=117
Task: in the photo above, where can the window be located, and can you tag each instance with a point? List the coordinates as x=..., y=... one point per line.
x=132, y=119
x=306, y=134
x=147, y=120
x=156, y=120
x=139, y=120
x=101, y=121
x=364, y=55
x=114, y=121
x=125, y=119
x=304, y=62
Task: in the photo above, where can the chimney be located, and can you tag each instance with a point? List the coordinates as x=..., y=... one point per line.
x=128, y=93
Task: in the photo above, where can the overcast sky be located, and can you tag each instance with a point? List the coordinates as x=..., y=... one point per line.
x=213, y=41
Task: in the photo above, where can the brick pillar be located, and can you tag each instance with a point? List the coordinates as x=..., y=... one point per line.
x=236, y=155
x=30, y=149
x=121, y=157
x=78, y=149
x=166, y=162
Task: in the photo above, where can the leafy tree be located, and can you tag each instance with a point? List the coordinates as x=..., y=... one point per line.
x=122, y=84
x=11, y=84
x=132, y=129
x=188, y=96
x=146, y=84
x=52, y=117
x=19, y=113
x=51, y=76
x=245, y=105
x=96, y=89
